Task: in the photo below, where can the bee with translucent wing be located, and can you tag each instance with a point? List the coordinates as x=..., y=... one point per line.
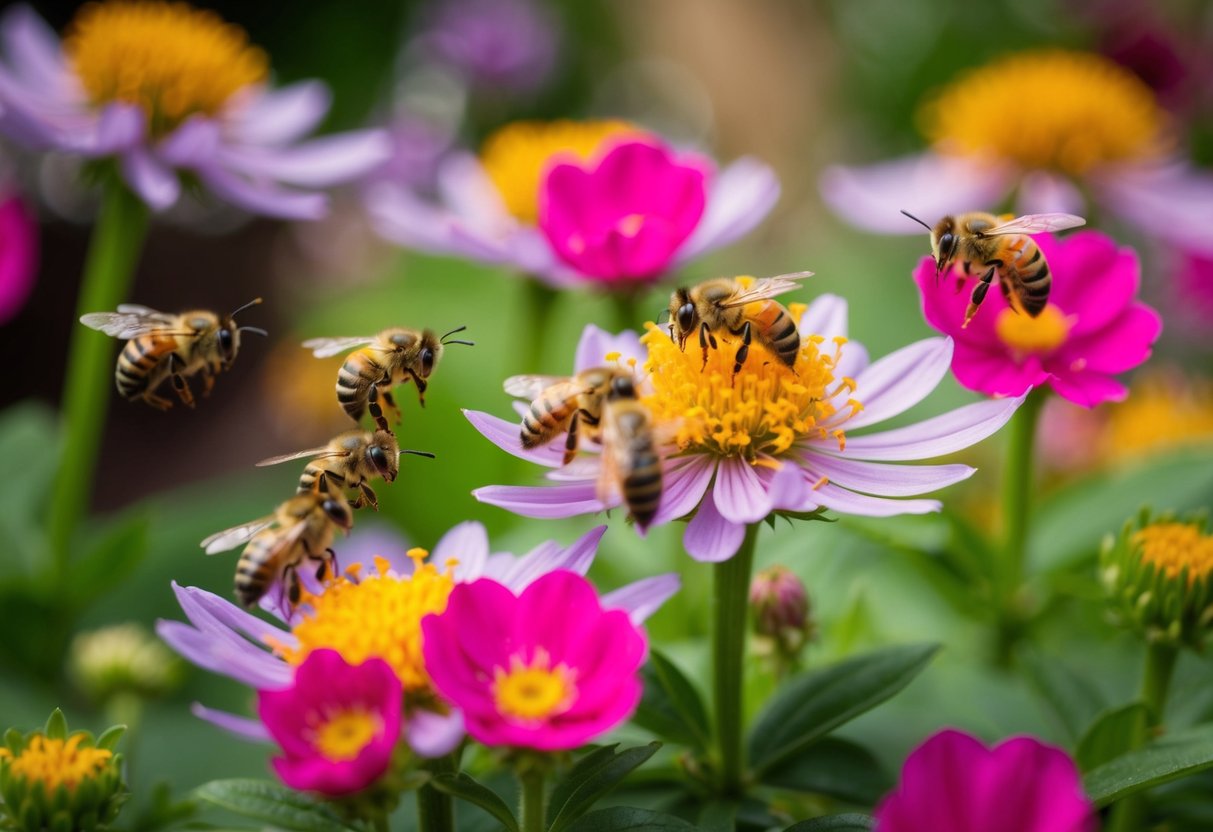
x=563, y=404
x=631, y=460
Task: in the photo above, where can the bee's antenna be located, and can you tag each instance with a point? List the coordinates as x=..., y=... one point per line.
x=426, y=454
x=256, y=330
x=452, y=332
x=917, y=220
x=252, y=302
x=457, y=341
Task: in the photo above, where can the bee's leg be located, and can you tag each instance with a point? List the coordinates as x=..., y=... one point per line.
x=392, y=407
x=979, y=295
x=570, y=442
x=706, y=338
x=744, y=350
x=372, y=404
x=179, y=383
x=208, y=381
x=421, y=387
x=158, y=402
x=331, y=561
x=366, y=498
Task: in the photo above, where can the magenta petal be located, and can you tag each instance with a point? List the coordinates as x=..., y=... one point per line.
x=1088, y=389
x=18, y=256
x=996, y=373
x=1122, y=345
x=711, y=538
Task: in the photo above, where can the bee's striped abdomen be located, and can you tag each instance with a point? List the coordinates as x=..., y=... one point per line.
x=1033, y=272
x=354, y=380
x=548, y=415
x=137, y=362
x=307, y=480
x=642, y=485
x=256, y=569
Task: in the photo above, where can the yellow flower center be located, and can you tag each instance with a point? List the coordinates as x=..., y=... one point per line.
x=1161, y=412
x=55, y=763
x=765, y=408
x=1049, y=109
x=374, y=616
x=1026, y=335
x=170, y=59
x=533, y=691
x=342, y=736
x=517, y=156
x=1172, y=548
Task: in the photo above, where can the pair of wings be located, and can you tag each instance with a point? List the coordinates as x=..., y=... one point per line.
x=1035, y=224
x=533, y=386
x=131, y=321
x=328, y=347
x=765, y=288
x=321, y=452
x=237, y=535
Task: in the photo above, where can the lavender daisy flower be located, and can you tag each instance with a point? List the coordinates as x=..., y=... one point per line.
x=508, y=45
x=166, y=90
x=374, y=610
x=772, y=439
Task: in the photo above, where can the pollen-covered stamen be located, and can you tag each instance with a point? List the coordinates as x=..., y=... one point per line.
x=531, y=691
x=170, y=59
x=1025, y=335
x=1175, y=548
x=764, y=409
x=379, y=616
x=517, y=156
x=340, y=736
x=58, y=762
x=1058, y=110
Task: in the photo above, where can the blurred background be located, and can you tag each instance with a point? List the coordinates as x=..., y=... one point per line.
x=798, y=84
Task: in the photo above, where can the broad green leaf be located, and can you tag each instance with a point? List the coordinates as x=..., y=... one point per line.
x=1168, y=758
x=1111, y=735
x=626, y=819
x=106, y=564
x=272, y=804
x=835, y=767
x=1073, y=698
x=835, y=823
x=465, y=788
x=591, y=779
x=672, y=707
x=813, y=704
x=29, y=447
x=717, y=816
x=110, y=736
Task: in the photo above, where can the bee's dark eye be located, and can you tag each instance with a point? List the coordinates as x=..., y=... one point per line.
x=686, y=317
x=947, y=243
x=427, y=360
x=226, y=341
x=378, y=458
x=336, y=512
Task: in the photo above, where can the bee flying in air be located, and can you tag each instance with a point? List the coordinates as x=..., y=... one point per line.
x=982, y=245
x=727, y=304
x=300, y=529
x=631, y=463
x=161, y=346
x=563, y=404
x=349, y=460
x=392, y=357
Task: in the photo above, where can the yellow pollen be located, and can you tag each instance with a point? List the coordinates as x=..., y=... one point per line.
x=342, y=736
x=517, y=156
x=763, y=410
x=535, y=691
x=170, y=59
x=1026, y=335
x=55, y=763
x=377, y=616
x=1173, y=548
x=1164, y=410
x=1048, y=109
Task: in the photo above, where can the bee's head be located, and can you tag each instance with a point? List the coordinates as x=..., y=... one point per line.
x=943, y=244
x=384, y=454
x=683, y=317
x=228, y=336
x=622, y=387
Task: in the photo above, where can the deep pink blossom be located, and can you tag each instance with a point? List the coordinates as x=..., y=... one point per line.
x=953, y=783
x=548, y=669
x=18, y=256
x=337, y=724
x=624, y=216
x=1092, y=329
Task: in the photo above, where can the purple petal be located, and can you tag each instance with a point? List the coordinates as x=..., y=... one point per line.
x=686, y=479
x=155, y=184
x=283, y=115
x=826, y=316
x=465, y=188
x=1169, y=201
x=208, y=611
x=1041, y=192
x=192, y=145
x=941, y=435
x=739, y=198
x=468, y=543
x=900, y=380
x=243, y=727
x=317, y=163
x=849, y=502
x=119, y=128
x=928, y=186
x=644, y=597
x=709, y=537
x=263, y=198
x=595, y=344
x=889, y=480
x=544, y=559
x=33, y=49
x=401, y=217
x=508, y=437
x=544, y=502
x=432, y=734
x=788, y=488
x=739, y=493
x=257, y=670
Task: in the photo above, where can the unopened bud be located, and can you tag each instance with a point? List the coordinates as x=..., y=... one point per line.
x=781, y=610
x=123, y=659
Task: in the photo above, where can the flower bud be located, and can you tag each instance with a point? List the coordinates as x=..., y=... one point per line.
x=780, y=606
x=1157, y=575
x=124, y=658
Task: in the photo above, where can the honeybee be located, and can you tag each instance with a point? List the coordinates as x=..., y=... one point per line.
x=349, y=460
x=393, y=356
x=631, y=462
x=727, y=304
x=984, y=245
x=560, y=404
x=300, y=529
x=161, y=345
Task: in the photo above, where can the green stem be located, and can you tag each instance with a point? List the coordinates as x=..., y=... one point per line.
x=108, y=272
x=534, y=799
x=435, y=809
x=629, y=309
x=732, y=579
x=539, y=300
x=1129, y=814
x=381, y=823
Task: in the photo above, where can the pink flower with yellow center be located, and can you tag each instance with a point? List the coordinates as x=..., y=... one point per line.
x=18, y=254
x=337, y=724
x=550, y=668
x=571, y=203
x=1092, y=328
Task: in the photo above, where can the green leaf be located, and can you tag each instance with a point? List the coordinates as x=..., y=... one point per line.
x=110, y=736
x=56, y=726
x=467, y=789
x=672, y=707
x=717, y=816
x=813, y=704
x=1111, y=735
x=591, y=778
x=1072, y=697
x=115, y=556
x=835, y=823
x=270, y=803
x=626, y=819
x=1167, y=758
x=29, y=447
x=835, y=767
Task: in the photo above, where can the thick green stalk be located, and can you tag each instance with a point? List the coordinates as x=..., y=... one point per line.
x=1129, y=815
x=732, y=578
x=108, y=272
x=533, y=809
x=629, y=309
x=539, y=301
x=435, y=809
x=1017, y=488
x=381, y=823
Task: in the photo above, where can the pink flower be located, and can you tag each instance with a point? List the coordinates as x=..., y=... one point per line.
x=1092, y=328
x=549, y=669
x=337, y=724
x=953, y=783
x=624, y=216
x=18, y=256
